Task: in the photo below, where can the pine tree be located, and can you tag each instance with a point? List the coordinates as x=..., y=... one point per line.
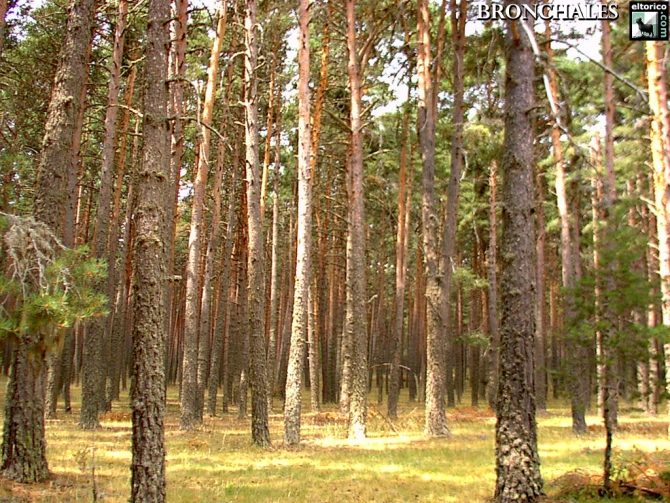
x=23, y=445
x=517, y=459
x=148, y=483
x=301, y=304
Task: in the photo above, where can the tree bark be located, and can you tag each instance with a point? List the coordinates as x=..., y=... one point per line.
x=660, y=151
x=23, y=443
x=356, y=318
x=55, y=365
x=116, y=286
x=147, y=394
x=176, y=72
x=4, y=7
x=436, y=419
x=303, y=273
x=256, y=293
x=492, y=275
x=517, y=459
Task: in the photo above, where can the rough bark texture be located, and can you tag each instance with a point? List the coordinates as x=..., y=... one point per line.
x=23, y=444
x=517, y=459
x=313, y=350
x=436, y=419
x=299, y=327
x=150, y=271
x=256, y=293
x=356, y=318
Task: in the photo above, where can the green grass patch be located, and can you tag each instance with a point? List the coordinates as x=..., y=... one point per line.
x=218, y=463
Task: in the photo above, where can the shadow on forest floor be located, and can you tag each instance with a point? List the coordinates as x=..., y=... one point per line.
x=217, y=463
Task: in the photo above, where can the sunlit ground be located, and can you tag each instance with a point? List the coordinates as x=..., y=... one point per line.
x=217, y=462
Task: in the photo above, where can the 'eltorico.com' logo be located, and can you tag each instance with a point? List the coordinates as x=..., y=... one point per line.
x=649, y=20
x=587, y=11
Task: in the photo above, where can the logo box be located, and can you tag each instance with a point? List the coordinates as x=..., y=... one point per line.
x=649, y=20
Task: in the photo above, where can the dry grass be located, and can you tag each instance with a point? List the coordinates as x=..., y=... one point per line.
x=217, y=462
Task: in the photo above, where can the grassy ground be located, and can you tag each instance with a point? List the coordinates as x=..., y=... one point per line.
x=217, y=463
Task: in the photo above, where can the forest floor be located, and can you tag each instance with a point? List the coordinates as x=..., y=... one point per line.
x=217, y=463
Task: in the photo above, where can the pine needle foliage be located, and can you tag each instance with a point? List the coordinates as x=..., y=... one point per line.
x=44, y=286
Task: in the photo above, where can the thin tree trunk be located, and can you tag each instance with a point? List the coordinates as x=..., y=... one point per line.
x=191, y=412
x=610, y=387
x=93, y=378
x=313, y=350
x=436, y=421
x=207, y=301
x=492, y=273
x=176, y=72
x=578, y=361
x=257, y=357
x=540, y=298
x=660, y=149
x=458, y=19
x=268, y=136
x=303, y=273
x=356, y=319
x=274, y=270
x=117, y=289
x=401, y=250
x=320, y=312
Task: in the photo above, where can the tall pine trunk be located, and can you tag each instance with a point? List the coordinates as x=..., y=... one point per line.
x=660, y=150
x=23, y=443
x=356, y=318
x=436, y=420
x=458, y=19
x=93, y=377
x=517, y=459
x=150, y=262
x=256, y=292
x=301, y=299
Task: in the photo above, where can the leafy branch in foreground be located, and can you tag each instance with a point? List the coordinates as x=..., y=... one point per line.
x=45, y=286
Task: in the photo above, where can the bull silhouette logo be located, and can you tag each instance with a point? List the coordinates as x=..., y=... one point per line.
x=648, y=20
x=646, y=30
